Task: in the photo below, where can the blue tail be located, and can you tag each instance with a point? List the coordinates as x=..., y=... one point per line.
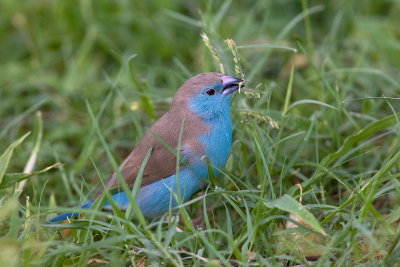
x=66, y=215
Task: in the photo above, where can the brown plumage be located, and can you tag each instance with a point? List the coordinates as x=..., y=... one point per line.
x=162, y=163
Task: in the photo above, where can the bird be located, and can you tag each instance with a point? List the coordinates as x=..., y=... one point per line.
x=198, y=127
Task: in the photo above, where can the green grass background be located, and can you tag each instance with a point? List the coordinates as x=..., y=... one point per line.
x=327, y=72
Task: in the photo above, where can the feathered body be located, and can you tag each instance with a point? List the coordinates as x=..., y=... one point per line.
x=200, y=108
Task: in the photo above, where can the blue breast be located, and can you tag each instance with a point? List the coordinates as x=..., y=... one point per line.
x=217, y=142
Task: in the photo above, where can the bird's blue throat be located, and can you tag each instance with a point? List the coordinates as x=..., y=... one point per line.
x=217, y=141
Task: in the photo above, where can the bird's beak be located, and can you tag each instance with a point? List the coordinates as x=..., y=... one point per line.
x=230, y=84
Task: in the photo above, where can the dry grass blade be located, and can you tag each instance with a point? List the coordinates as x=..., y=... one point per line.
x=248, y=115
x=213, y=52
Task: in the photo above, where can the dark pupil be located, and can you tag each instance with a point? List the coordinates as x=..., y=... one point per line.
x=210, y=92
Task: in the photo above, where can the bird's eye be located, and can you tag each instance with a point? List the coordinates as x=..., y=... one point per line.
x=210, y=92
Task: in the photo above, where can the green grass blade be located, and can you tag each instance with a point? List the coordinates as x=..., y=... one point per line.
x=6, y=156
x=289, y=204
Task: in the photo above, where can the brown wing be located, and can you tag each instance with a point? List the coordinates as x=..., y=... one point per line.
x=162, y=162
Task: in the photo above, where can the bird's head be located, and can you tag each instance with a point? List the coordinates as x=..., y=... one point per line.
x=207, y=95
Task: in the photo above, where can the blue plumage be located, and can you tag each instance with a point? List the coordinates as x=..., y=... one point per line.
x=68, y=215
x=202, y=104
x=215, y=112
x=156, y=198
